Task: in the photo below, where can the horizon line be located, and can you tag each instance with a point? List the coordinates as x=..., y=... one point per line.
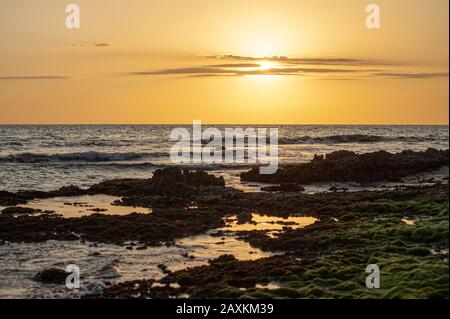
x=234, y=124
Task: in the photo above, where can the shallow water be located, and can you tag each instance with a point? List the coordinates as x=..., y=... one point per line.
x=110, y=263
x=101, y=264
x=269, y=223
x=409, y=221
x=269, y=286
x=232, y=179
x=78, y=206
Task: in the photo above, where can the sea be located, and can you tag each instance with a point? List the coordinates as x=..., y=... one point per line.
x=46, y=157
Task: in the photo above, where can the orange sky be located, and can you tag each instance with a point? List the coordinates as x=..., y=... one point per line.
x=174, y=61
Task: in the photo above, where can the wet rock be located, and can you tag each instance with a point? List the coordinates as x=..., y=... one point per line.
x=121, y=187
x=186, y=255
x=345, y=166
x=96, y=287
x=22, y=197
x=68, y=191
x=95, y=254
x=171, y=187
x=244, y=218
x=168, y=187
x=335, y=189
x=175, y=182
x=52, y=276
x=163, y=225
x=164, y=269
x=17, y=210
x=285, y=187
x=318, y=158
x=194, y=178
x=11, y=199
x=325, y=259
x=224, y=259
x=98, y=210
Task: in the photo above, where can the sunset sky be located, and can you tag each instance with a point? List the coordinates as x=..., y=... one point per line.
x=224, y=61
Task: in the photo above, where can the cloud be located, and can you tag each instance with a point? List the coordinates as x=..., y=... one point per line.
x=330, y=68
x=102, y=45
x=246, y=69
x=91, y=45
x=236, y=65
x=34, y=77
x=195, y=70
x=306, y=61
x=317, y=68
x=424, y=75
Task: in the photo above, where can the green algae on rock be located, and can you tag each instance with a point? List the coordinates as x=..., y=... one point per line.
x=328, y=259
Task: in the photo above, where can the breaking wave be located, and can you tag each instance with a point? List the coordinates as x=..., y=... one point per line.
x=91, y=156
x=351, y=138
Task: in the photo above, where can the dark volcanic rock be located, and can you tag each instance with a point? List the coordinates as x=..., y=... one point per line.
x=345, y=166
x=337, y=189
x=17, y=210
x=170, y=181
x=176, y=187
x=10, y=199
x=162, y=225
x=22, y=197
x=175, y=182
x=51, y=276
x=286, y=187
x=121, y=187
x=168, y=187
x=244, y=218
x=225, y=271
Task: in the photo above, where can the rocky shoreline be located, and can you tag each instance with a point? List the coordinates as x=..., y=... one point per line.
x=326, y=259
x=345, y=166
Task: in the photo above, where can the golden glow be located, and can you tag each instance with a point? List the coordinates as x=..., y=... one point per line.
x=262, y=48
x=267, y=65
x=154, y=68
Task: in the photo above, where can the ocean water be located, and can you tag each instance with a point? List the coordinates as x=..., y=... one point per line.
x=47, y=157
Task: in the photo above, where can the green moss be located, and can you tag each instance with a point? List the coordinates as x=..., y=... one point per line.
x=408, y=270
x=348, y=285
x=418, y=251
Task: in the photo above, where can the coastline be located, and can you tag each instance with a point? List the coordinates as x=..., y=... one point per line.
x=403, y=224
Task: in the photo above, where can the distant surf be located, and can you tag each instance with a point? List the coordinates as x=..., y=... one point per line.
x=351, y=138
x=50, y=156
x=91, y=156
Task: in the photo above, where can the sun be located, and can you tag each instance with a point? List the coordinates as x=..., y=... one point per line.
x=266, y=65
x=262, y=71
